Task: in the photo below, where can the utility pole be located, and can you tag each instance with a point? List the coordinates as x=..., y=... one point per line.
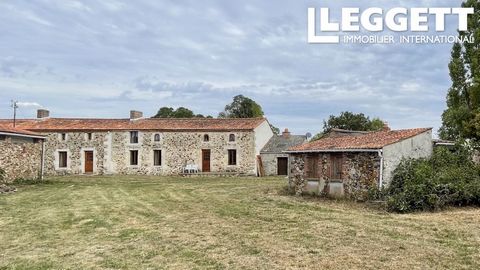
x=15, y=107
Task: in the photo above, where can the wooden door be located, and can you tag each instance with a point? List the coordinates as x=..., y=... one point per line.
x=205, y=160
x=88, y=161
x=282, y=166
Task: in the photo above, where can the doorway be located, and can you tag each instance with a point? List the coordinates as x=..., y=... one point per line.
x=205, y=160
x=88, y=161
x=282, y=165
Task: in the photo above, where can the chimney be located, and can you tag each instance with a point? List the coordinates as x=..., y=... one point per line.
x=42, y=113
x=135, y=115
x=286, y=133
x=385, y=126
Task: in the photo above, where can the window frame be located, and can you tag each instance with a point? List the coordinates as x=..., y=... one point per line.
x=63, y=137
x=231, y=137
x=155, y=163
x=89, y=136
x=133, y=158
x=62, y=161
x=134, y=135
x=206, y=137
x=232, y=157
x=155, y=136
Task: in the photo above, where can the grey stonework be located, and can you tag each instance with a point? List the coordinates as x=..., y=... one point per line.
x=20, y=158
x=112, y=152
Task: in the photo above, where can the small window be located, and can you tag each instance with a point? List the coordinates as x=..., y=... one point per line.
x=89, y=136
x=206, y=138
x=63, y=136
x=156, y=138
x=133, y=136
x=3, y=137
x=62, y=159
x=232, y=157
x=157, y=157
x=134, y=157
x=231, y=138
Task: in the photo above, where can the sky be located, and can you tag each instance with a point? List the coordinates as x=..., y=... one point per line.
x=104, y=58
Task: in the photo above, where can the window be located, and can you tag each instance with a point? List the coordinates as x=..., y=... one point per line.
x=133, y=157
x=89, y=136
x=312, y=166
x=206, y=138
x=232, y=157
x=62, y=159
x=3, y=137
x=133, y=136
x=157, y=157
x=156, y=138
x=231, y=138
x=63, y=136
x=336, y=170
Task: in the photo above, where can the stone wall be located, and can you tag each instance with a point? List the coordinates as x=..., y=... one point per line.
x=20, y=158
x=112, y=152
x=360, y=172
x=419, y=146
x=270, y=161
x=75, y=144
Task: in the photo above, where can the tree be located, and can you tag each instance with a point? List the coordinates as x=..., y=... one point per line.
x=350, y=121
x=180, y=112
x=461, y=119
x=242, y=107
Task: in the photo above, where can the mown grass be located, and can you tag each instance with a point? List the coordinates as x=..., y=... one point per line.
x=139, y=222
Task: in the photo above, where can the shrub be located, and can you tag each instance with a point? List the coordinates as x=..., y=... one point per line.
x=445, y=179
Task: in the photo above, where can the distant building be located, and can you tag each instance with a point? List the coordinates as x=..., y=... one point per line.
x=154, y=146
x=21, y=154
x=351, y=165
x=274, y=160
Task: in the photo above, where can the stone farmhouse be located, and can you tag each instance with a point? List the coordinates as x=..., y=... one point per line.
x=350, y=163
x=273, y=157
x=21, y=154
x=138, y=145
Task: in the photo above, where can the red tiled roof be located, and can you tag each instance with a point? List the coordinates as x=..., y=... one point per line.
x=4, y=128
x=167, y=124
x=373, y=140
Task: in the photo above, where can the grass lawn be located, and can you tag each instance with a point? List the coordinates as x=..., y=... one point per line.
x=139, y=222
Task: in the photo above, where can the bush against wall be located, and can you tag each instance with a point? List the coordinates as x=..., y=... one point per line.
x=445, y=179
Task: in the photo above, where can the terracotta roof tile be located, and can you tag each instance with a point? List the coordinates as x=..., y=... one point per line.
x=373, y=140
x=4, y=128
x=166, y=124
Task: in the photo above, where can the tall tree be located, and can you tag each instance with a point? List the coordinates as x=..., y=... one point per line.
x=461, y=119
x=350, y=121
x=244, y=107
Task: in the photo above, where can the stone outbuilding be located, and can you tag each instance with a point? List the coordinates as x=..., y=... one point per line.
x=21, y=155
x=273, y=158
x=152, y=146
x=351, y=165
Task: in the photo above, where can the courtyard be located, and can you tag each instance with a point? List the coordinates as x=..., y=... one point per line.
x=146, y=222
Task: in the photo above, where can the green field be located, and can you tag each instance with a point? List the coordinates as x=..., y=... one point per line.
x=139, y=222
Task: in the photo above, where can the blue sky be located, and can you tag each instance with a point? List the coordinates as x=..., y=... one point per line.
x=103, y=58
